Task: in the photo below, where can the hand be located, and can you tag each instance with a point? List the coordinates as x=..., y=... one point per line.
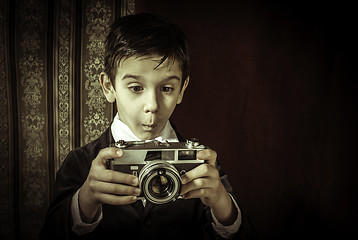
x=204, y=182
x=106, y=186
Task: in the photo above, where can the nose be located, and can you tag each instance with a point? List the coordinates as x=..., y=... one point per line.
x=151, y=103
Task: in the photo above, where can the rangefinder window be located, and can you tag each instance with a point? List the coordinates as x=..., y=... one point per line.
x=186, y=154
x=159, y=155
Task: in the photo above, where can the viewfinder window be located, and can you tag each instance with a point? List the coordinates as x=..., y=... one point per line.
x=153, y=155
x=187, y=155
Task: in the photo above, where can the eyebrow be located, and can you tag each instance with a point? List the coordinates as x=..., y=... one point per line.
x=138, y=77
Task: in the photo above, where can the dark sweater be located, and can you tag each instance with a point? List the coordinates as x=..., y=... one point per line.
x=181, y=219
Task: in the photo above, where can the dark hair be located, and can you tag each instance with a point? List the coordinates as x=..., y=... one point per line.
x=144, y=35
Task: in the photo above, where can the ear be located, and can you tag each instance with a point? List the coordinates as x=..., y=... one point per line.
x=181, y=94
x=107, y=87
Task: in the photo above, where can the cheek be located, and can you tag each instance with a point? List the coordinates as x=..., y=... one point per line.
x=127, y=108
x=170, y=105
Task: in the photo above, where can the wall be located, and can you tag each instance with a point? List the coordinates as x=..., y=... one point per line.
x=273, y=90
x=51, y=55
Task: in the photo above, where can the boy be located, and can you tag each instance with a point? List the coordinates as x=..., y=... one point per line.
x=146, y=75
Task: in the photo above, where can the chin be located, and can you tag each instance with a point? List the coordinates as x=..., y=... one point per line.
x=147, y=136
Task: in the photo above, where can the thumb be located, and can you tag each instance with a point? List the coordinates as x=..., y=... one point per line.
x=208, y=155
x=107, y=153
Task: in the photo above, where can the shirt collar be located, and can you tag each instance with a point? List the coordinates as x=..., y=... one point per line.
x=120, y=131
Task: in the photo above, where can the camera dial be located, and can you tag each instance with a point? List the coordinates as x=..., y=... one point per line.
x=192, y=142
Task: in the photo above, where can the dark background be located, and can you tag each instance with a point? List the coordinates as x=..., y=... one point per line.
x=273, y=91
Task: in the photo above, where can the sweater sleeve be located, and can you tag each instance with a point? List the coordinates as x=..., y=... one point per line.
x=69, y=178
x=245, y=230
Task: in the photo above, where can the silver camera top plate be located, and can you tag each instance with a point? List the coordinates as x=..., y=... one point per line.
x=138, y=151
x=191, y=143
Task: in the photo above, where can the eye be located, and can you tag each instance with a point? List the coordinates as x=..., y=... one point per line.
x=136, y=89
x=167, y=89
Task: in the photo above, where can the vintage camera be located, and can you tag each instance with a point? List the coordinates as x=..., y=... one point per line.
x=158, y=166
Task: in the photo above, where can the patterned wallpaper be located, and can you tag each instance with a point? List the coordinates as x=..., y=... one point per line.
x=31, y=72
x=51, y=55
x=5, y=129
x=95, y=112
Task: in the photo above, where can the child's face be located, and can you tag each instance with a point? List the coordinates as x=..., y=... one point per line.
x=146, y=95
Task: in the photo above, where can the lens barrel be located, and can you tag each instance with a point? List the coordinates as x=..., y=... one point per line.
x=160, y=182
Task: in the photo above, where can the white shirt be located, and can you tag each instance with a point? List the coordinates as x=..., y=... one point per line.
x=120, y=131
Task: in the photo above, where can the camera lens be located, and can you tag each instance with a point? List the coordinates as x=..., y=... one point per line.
x=159, y=185
x=160, y=182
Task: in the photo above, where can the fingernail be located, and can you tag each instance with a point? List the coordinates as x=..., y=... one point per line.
x=135, y=181
x=183, y=180
x=134, y=198
x=119, y=153
x=137, y=191
x=200, y=154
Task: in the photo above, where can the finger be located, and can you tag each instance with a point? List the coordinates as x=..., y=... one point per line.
x=196, y=184
x=117, y=189
x=106, y=154
x=198, y=193
x=111, y=176
x=201, y=171
x=116, y=200
x=207, y=154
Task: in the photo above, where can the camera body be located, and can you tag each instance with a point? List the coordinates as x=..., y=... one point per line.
x=158, y=166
